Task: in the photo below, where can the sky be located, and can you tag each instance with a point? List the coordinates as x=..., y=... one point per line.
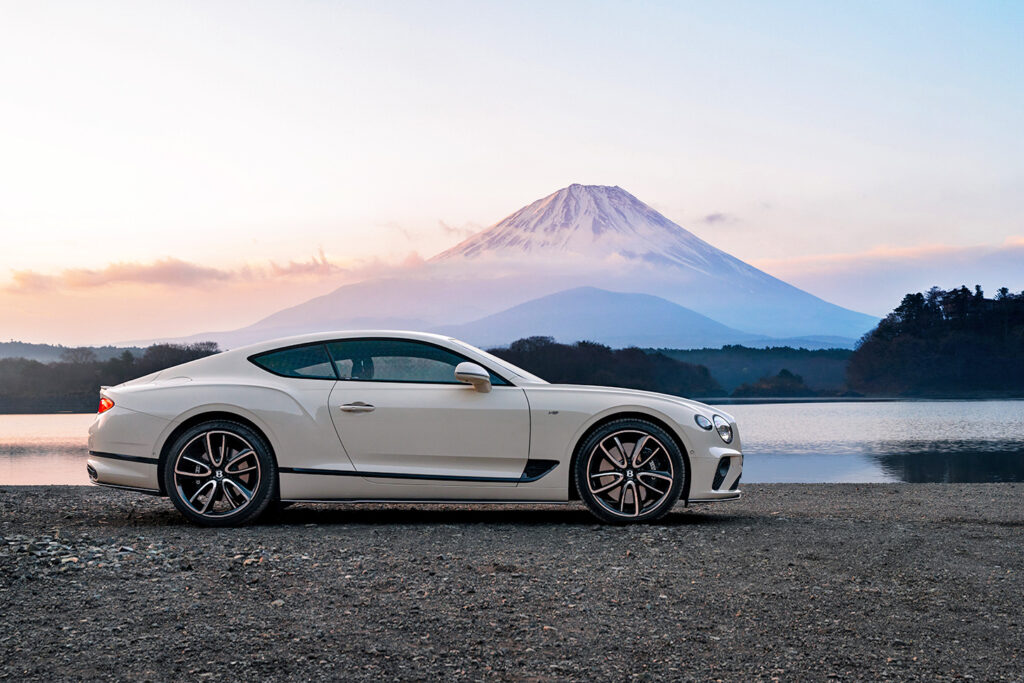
x=170, y=167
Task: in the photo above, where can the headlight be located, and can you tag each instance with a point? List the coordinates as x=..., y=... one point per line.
x=724, y=428
x=702, y=422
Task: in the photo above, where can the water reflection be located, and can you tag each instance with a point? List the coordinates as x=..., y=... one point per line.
x=909, y=441
x=43, y=449
x=951, y=462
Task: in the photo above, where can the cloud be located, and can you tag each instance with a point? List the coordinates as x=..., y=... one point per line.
x=315, y=266
x=878, y=256
x=460, y=232
x=719, y=218
x=875, y=280
x=168, y=272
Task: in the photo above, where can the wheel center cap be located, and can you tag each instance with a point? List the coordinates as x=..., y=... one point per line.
x=629, y=474
x=219, y=474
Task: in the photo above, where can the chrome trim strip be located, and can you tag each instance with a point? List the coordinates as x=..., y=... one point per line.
x=737, y=495
x=129, y=458
x=137, y=489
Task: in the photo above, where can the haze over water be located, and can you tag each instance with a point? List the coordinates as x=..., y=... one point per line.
x=857, y=442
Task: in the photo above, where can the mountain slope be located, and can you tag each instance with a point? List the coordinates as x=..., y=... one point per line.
x=595, y=221
x=580, y=236
x=597, y=315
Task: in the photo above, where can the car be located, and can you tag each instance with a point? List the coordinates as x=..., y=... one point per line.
x=410, y=417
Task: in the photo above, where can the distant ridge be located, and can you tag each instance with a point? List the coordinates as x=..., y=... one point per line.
x=597, y=315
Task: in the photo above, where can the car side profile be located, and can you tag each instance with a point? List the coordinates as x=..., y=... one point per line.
x=385, y=416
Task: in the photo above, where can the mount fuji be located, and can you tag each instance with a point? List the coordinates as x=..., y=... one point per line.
x=582, y=236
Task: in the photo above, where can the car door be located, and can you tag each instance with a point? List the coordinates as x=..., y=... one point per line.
x=400, y=413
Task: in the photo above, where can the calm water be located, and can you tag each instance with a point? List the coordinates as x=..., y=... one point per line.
x=912, y=441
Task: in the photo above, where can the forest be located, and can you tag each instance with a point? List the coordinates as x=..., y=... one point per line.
x=822, y=370
x=589, y=363
x=950, y=343
x=72, y=384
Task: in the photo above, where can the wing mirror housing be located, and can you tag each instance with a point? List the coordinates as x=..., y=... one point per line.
x=471, y=373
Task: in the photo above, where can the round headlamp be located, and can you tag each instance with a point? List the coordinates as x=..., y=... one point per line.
x=724, y=428
x=702, y=422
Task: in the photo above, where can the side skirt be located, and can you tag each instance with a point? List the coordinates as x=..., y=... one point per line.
x=534, y=471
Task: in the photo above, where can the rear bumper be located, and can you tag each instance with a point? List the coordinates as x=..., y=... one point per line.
x=124, y=471
x=122, y=449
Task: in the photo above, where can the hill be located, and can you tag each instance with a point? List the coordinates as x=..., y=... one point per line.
x=50, y=353
x=600, y=316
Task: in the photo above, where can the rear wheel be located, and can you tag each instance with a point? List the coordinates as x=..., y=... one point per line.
x=220, y=473
x=630, y=470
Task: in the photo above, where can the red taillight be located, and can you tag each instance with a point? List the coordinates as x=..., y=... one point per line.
x=105, y=405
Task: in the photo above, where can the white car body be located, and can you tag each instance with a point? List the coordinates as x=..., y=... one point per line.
x=418, y=442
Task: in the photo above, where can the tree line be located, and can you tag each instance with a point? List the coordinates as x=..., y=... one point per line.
x=941, y=343
x=590, y=363
x=73, y=383
x=951, y=342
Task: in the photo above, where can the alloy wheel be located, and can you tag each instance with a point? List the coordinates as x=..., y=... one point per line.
x=217, y=474
x=630, y=473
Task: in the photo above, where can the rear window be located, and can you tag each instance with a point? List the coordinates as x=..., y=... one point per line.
x=309, y=362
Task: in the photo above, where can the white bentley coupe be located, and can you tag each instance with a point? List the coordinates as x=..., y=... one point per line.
x=401, y=417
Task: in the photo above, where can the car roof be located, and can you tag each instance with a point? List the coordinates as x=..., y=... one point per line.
x=314, y=337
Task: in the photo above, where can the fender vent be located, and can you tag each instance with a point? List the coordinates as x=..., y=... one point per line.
x=535, y=469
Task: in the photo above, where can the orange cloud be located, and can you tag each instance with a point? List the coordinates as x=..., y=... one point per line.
x=169, y=272
x=315, y=266
x=877, y=255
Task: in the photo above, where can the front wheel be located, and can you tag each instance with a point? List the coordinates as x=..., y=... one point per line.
x=220, y=473
x=630, y=470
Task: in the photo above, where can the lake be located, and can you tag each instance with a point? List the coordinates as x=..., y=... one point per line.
x=842, y=441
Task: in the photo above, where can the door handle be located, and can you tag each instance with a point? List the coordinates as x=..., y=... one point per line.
x=357, y=407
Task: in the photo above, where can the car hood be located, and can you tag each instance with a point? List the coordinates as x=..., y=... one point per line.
x=633, y=395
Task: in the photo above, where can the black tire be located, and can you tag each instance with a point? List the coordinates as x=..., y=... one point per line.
x=220, y=473
x=623, y=493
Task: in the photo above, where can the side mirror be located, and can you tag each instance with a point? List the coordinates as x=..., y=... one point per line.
x=471, y=373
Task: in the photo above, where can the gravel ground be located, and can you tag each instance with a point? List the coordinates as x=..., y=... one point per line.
x=793, y=582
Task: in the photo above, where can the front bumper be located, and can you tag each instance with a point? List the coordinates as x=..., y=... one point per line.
x=715, y=475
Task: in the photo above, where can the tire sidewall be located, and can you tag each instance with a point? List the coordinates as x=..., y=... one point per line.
x=265, y=493
x=679, y=464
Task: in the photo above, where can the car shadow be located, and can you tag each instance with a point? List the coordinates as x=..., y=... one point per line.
x=465, y=515
x=423, y=515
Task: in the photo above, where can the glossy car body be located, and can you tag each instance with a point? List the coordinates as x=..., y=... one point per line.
x=430, y=438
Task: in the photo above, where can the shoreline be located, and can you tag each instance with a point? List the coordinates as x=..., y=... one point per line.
x=852, y=581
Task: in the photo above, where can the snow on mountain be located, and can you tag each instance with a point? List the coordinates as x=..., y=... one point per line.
x=595, y=222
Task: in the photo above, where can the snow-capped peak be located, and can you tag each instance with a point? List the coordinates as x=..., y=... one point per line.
x=591, y=221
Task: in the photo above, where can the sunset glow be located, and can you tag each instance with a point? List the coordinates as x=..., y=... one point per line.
x=172, y=168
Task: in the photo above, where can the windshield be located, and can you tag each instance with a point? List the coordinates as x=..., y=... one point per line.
x=503, y=364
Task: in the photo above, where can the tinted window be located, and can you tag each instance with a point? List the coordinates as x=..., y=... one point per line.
x=301, y=361
x=396, y=360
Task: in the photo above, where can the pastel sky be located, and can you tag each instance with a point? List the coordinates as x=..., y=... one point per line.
x=172, y=167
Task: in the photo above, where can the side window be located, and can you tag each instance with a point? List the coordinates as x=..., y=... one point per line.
x=396, y=360
x=310, y=362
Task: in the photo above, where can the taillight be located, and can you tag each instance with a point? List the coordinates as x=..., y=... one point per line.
x=105, y=405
